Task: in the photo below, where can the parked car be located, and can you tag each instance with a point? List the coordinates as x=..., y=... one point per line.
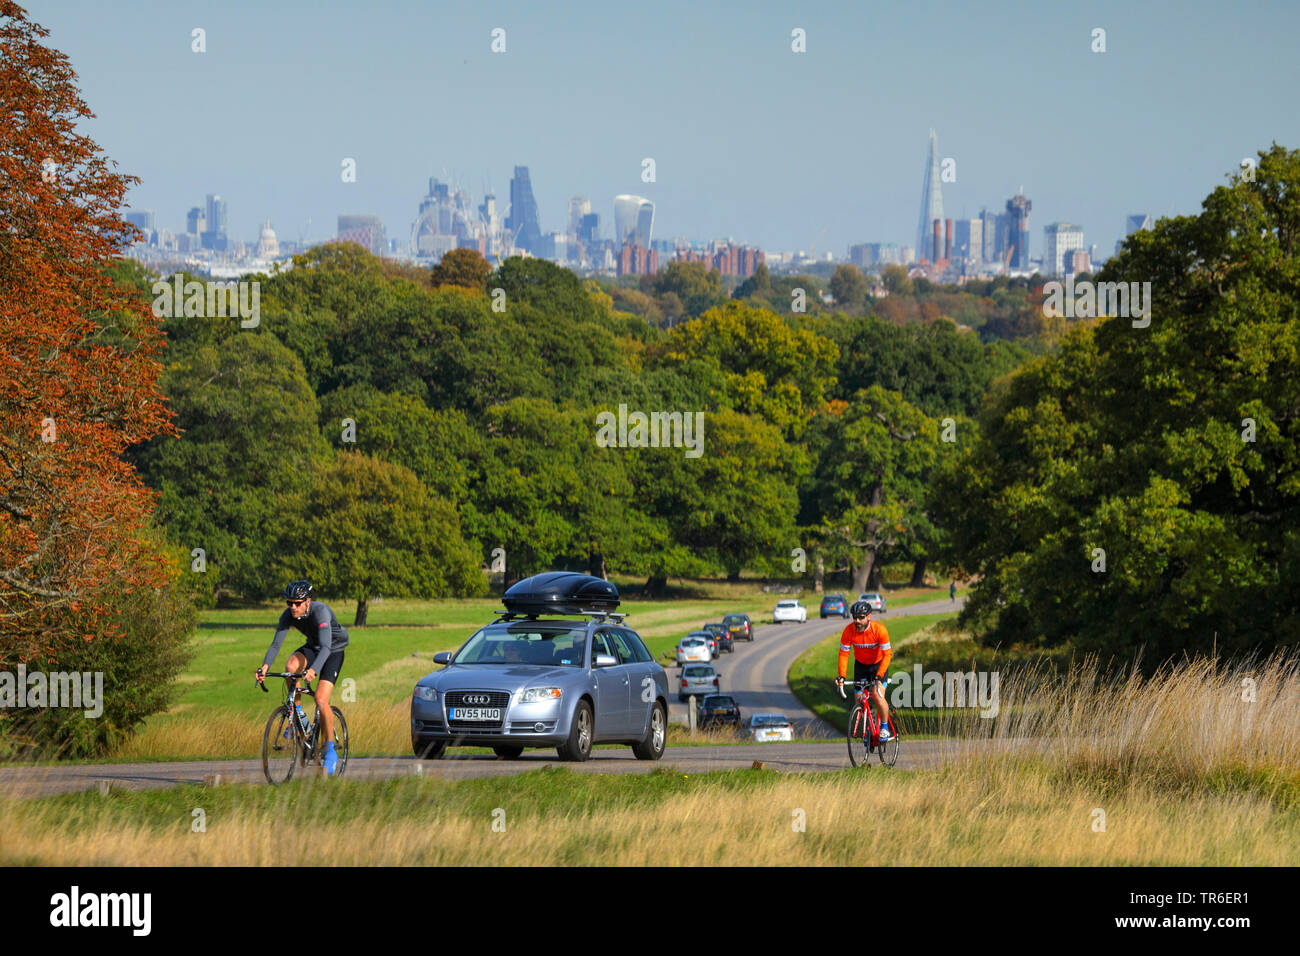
x=698, y=679
x=740, y=626
x=789, y=611
x=693, y=648
x=769, y=727
x=834, y=604
x=722, y=635
x=875, y=599
x=718, y=710
x=558, y=668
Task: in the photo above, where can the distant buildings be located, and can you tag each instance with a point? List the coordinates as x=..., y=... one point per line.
x=725, y=257
x=968, y=241
x=1132, y=224
x=365, y=231
x=1060, y=238
x=268, y=247
x=636, y=260
x=214, y=236
x=1018, y=232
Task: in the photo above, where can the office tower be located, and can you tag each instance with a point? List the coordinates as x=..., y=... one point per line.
x=1077, y=261
x=1059, y=239
x=1135, y=222
x=947, y=240
x=217, y=215
x=633, y=220
x=989, y=251
x=142, y=220
x=968, y=240
x=1018, y=231
x=931, y=203
x=578, y=207
x=589, y=229
x=365, y=231
x=523, y=223
x=195, y=222
x=936, y=242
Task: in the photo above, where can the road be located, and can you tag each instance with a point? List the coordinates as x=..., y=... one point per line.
x=755, y=673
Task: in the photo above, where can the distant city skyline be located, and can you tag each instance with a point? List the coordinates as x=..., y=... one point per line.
x=821, y=148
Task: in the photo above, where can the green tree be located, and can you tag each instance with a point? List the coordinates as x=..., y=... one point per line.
x=461, y=267
x=849, y=288
x=896, y=280
x=371, y=528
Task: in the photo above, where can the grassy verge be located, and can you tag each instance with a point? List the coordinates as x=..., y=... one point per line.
x=999, y=812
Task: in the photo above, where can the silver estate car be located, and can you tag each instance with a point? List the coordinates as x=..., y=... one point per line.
x=544, y=682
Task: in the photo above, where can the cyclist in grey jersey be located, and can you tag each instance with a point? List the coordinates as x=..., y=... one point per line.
x=321, y=653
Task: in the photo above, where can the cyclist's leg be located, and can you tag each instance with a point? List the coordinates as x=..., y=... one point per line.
x=862, y=672
x=296, y=664
x=881, y=705
x=329, y=676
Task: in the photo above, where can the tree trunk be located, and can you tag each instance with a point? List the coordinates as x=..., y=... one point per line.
x=733, y=575
x=596, y=565
x=861, y=572
x=918, y=573
x=819, y=575
x=655, y=585
x=363, y=608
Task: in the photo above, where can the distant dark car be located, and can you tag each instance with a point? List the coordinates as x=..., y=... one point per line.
x=740, y=626
x=834, y=604
x=722, y=635
x=717, y=710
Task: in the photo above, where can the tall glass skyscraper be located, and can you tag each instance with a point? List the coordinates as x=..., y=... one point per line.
x=634, y=218
x=523, y=221
x=931, y=204
x=1018, y=231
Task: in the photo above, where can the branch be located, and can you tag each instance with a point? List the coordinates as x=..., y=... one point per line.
x=28, y=588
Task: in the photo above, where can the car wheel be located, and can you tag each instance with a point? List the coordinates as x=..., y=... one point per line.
x=578, y=746
x=430, y=749
x=656, y=736
x=508, y=753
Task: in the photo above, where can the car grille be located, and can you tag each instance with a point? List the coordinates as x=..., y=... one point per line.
x=495, y=698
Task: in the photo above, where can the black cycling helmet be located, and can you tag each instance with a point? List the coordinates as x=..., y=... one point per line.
x=860, y=607
x=297, y=590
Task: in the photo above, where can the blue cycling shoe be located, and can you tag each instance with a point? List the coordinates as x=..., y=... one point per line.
x=331, y=759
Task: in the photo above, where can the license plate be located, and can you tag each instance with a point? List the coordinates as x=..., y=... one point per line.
x=474, y=713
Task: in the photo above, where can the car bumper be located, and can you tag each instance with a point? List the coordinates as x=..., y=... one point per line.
x=542, y=724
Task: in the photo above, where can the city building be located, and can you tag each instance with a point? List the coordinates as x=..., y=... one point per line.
x=214, y=237
x=1132, y=224
x=1077, y=261
x=196, y=222
x=523, y=223
x=931, y=203
x=144, y=221
x=1017, y=249
x=633, y=220
x=579, y=207
x=968, y=240
x=365, y=231
x=636, y=260
x=446, y=221
x=268, y=247
x=1060, y=238
x=554, y=246
x=725, y=257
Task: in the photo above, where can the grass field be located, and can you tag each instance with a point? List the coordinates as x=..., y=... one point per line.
x=221, y=713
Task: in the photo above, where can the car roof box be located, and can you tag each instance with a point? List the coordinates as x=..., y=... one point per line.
x=561, y=592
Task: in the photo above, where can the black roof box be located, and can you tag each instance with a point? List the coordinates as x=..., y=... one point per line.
x=560, y=592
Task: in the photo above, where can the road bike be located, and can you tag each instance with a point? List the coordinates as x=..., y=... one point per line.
x=290, y=737
x=864, y=728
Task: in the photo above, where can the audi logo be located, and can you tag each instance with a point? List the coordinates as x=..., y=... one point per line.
x=477, y=699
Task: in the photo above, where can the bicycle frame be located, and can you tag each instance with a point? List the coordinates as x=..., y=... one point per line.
x=303, y=729
x=861, y=696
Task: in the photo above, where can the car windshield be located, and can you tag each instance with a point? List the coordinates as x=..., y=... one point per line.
x=691, y=642
x=763, y=720
x=787, y=603
x=719, y=702
x=561, y=643
x=733, y=620
x=700, y=671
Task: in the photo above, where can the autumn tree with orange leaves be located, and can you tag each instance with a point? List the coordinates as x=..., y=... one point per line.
x=78, y=369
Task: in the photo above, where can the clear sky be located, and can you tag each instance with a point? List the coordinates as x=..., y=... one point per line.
x=750, y=139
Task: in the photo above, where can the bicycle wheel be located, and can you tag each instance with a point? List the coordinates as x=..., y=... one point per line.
x=887, y=751
x=859, y=737
x=279, y=755
x=340, y=740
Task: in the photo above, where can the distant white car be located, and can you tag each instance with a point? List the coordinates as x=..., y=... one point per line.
x=698, y=679
x=693, y=649
x=766, y=728
x=789, y=611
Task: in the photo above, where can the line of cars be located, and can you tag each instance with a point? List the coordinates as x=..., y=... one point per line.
x=838, y=605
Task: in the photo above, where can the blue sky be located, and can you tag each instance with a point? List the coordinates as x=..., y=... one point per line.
x=750, y=140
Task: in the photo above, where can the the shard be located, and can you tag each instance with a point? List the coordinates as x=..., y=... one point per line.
x=931, y=204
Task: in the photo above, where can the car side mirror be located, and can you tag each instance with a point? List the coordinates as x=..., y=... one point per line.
x=606, y=660
x=442, y=657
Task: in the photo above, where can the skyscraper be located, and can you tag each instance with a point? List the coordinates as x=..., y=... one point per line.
x=578, y=207
x=968, y=243
x=989, y=237
x=931, y=203
x=214, y=237
x=1060, y=238
x=1018, y=231
x=523, y=222
x=634, y=218
x=365, y=231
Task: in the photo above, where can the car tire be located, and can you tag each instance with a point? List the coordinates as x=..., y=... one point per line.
x=429, y=749
x=656, y=735
x=581, y=729
x=508, y=753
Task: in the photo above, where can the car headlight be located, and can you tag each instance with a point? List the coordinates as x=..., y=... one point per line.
x=535, y=694
x=426, y=693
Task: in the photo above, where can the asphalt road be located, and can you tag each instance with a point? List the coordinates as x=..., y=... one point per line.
x=755, y=673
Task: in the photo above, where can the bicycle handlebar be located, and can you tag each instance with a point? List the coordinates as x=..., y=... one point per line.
x=262, y=683
x=857, y=683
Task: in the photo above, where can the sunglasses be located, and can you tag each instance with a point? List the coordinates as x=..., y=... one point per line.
x=296, y=603
x=859, y=617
